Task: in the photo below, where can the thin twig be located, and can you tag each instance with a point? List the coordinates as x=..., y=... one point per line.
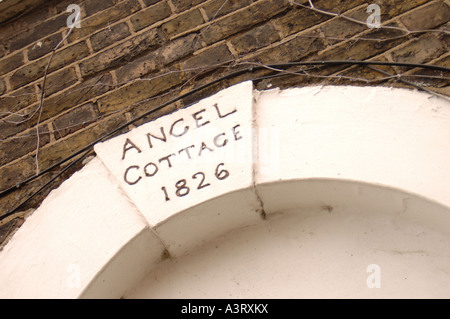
x=41, y=104
x=336, y=77
x=211, y=22
x=419, y=87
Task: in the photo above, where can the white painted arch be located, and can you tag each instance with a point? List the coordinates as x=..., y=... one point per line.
x=365, y=169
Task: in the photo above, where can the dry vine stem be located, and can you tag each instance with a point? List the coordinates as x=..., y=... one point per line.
x=41, y=103
x=212, y=20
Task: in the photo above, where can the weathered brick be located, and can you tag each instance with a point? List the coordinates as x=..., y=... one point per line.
x=22, y=23
x=368, y=73
x=138, y=91
x=55, y=152
x=182, y=23
x=57, y=81
x=436, y=13
x=9, y=30
x=337, y=6
x=123, y=52
x=60, y=6
x=196, y=96
x=92, y=7
x=58, y=103
x=2, y=86
x=14, y=124
x=445, y=27
x=255, y=38
x=92, y=24
x=36, y=69
x=178, y=48
x=165, y=55
x=44, y=46
x=209, y=57
x=11, y=62
x=74, y=120
x=43, y=184
x=150, y=15
x=444, y=61
x=217, y=8
x=21, y=145
x=182, y=5
x=441, y=90
x=150, y=106
x=7, y=230
x=420, y=50
x=12, y=174
x=50, y=154
x=392, y=8
x=139, y=67
x=32, y=35
x=77, y=95
x=10, y=200
x=242, y=20
x=150, y=2
x=18, y=100
x=300, y=18
x=337, y=30
x=437, y=82
x=289, y=81
x=109, y=36
x=361, y=49
x=41, y=12
x=295, y=49
x=2, y=51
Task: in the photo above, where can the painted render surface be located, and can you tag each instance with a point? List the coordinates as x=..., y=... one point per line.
x=252, y=173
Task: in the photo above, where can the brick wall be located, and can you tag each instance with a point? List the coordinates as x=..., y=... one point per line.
x=130, y=56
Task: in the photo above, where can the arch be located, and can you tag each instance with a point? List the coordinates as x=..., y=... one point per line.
x=320, y=148
x=319, y=240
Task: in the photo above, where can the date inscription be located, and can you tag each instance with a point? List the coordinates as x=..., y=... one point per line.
x=179, y=144
x=199, y=179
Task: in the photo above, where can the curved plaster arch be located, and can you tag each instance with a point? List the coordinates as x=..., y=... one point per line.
x=320, y=241
x=320, y=147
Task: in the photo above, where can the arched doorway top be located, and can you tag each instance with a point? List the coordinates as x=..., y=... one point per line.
x=226, y=162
